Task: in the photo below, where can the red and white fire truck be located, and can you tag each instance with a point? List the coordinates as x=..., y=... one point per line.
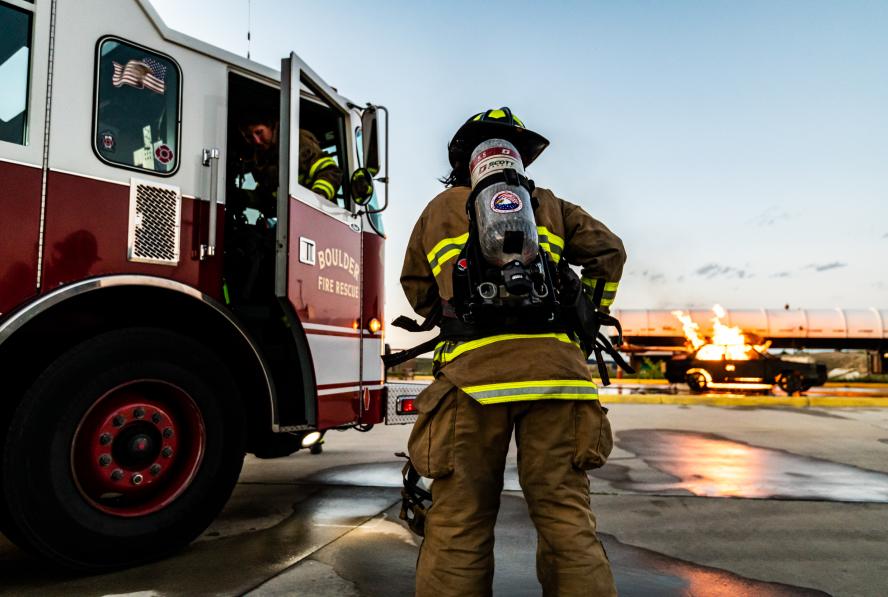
x=162, y=312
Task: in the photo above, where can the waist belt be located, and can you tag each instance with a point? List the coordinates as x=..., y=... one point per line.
x=454, y=329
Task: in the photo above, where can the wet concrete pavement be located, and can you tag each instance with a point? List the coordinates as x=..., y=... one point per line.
x=713, y=466
x=325, y=525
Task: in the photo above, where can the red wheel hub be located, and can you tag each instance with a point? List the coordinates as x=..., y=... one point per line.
x=138, y=448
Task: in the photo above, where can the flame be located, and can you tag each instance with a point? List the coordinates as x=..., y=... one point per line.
x=728, y=343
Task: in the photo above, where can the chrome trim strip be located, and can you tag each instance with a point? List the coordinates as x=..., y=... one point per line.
x=41, y=237
x=20, y=318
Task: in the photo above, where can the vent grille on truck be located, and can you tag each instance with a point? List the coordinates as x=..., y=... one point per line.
x=155, y=213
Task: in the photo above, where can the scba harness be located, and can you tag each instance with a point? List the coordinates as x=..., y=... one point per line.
x=503, y=280
x=512, y=294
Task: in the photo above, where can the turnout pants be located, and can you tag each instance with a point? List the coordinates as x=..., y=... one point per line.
x=463, y=444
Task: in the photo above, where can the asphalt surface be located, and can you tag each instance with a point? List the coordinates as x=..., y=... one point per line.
x=695, y=500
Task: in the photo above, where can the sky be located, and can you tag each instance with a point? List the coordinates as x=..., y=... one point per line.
x=740, y=149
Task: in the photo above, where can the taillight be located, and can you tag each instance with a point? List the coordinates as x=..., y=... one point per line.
x=374, y=325
x=406, y=405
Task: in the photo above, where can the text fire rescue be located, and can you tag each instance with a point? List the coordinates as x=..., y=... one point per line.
x=341, y=259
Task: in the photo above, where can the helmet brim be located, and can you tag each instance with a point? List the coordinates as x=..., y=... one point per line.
x=528, y=143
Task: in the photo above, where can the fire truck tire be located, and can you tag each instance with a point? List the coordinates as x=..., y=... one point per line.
x=696, y=382
x=124, y=450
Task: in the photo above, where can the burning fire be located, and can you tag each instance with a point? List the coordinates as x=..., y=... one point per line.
x=727, y=342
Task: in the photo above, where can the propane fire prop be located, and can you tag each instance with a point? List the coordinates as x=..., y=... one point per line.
x=726, y=343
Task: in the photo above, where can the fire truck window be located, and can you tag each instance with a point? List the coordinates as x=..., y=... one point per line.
x=321, y=164
x=15, y=53
x=137, y=111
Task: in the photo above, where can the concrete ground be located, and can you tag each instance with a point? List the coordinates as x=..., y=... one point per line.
x=695, y=500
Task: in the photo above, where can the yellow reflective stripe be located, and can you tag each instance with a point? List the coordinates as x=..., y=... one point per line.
x=548, y=249
x=446, y=250
x=324, y=187
x=608, y=286
x=550, y=236
x=551, y=243
x=457, y=240
x=322, y=163
x=498, y=114
x=609, y=293
x=523, y=397
x=514, y=385
x=439, y=263
x=445, y=356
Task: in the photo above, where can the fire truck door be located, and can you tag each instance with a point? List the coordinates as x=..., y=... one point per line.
x=318, y=260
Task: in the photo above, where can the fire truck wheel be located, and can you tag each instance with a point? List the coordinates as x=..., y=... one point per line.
x=124, y=450
x=696, y=382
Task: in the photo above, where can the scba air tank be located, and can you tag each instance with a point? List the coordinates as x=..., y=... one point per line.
x=504, y=214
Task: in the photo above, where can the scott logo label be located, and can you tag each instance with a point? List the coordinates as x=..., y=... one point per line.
x=505, y=202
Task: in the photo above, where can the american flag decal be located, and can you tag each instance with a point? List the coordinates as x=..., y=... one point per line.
x=141, y=74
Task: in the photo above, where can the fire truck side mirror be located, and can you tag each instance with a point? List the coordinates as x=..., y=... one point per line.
x=362, y=186
x=370, y=138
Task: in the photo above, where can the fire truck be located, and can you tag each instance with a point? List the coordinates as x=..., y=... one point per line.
x=164, y=309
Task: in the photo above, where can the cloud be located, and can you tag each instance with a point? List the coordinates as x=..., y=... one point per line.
x=781, y=275
x=822, y=267
x=885, y=235
x=654, y=277
x=714, y=270
x=769, y=217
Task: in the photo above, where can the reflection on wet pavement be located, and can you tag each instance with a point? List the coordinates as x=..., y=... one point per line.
x=354, y=563
x=642, y=572
x=713, y=466
x=305, y=519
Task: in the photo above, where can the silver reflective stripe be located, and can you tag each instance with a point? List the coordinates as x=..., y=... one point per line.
x=543, y=391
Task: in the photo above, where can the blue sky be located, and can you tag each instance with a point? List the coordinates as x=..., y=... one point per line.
x=739, y=148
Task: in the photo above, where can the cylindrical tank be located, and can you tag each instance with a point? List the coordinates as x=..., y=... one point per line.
x=504, y=213
x=797, y=324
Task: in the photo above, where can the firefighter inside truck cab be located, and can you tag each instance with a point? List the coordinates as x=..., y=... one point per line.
x=252, y=209
x=318, y=171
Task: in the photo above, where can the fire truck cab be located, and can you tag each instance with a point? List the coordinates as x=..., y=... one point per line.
x=172, y=294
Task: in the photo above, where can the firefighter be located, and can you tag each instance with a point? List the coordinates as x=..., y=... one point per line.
x=535, y=384
x=317, y=170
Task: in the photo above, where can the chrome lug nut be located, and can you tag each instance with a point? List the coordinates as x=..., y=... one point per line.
x=155, y=418
x=105, y=439
x=167, y=452
x=105, y=459
x=139, y=412
x=118, y=421
x=155, y=469
x=117, y=475
x=137, y=479
x=168, y=432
